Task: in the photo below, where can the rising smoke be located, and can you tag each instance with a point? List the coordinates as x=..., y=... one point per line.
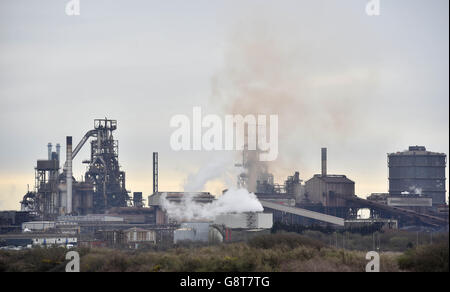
x=233, y=201
x=316, y=85
x=297, y=75
x=218, y=167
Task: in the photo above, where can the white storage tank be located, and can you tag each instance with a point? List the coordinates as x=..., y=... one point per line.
x=245, y=220
x=193, y=231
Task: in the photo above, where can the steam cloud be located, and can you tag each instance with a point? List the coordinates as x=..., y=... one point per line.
x=217, y=167
x=233, y=201
x=416, y=190
x=272, y=69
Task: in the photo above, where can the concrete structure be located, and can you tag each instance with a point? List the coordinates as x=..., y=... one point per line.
x=283, y=198
x=245, y=220
x=419, y=172
x=90, y=218
x=383, y=223
x=200, y=197
x=38, y=225
x=378, y=197
x=137, y=236
x=318, y=189
x=68, y=228
x=320, y=217
x=409, y=201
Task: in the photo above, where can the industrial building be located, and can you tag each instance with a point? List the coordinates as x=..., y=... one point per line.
x=245, y=220
x=320, y=186
x=416, y=183
x=329, y=199
x=98, y=211
x=56, y=192
x=193, y=231
x=132, y=238
x=161, y=217
x=11, y=221
x=418, y=172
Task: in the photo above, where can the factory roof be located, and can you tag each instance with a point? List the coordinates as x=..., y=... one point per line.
x=274, y=196
x=202, y=197
x=137, y=229
x=181, y=194
x=334, y=179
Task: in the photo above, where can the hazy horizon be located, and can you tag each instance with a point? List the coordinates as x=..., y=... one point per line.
x=361, y=86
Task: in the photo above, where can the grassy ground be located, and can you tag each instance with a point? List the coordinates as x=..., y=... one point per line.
x=284, y=252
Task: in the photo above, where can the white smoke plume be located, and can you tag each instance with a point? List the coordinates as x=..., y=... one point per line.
x=233, y=201
x=416, y=190
x=278, y=67
x=217, y=167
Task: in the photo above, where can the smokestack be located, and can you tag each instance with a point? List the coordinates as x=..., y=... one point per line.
x=324, y=162
x=69, y=174
x=58, y=151
x=155, y=172
x=49, y=146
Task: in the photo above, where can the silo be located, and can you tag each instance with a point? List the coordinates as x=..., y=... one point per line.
x=417, y=171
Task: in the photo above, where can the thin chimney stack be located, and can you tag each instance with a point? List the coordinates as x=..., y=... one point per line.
x=324, y=162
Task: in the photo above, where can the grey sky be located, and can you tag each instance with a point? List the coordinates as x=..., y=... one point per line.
x=363, y=86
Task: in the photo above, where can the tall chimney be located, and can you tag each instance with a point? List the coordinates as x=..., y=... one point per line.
x=49, y=146
x=155, y=172
x=69, y=174
x=324, y=162
x=58, y=151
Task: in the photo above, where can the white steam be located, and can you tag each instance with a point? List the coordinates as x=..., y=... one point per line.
x=416, y=190
x=217, y=168
x=233, y=201
x=413, y=190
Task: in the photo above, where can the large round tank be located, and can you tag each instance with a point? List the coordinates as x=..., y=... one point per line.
x=418, y=172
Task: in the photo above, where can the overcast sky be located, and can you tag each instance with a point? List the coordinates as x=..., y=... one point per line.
x=361, y=86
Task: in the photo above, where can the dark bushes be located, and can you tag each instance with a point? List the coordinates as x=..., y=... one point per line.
x=290, y=240
x=427, y=258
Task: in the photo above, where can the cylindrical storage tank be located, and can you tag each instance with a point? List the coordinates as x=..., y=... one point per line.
x=183, y=234
x=200, y=230
x=418, y=172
